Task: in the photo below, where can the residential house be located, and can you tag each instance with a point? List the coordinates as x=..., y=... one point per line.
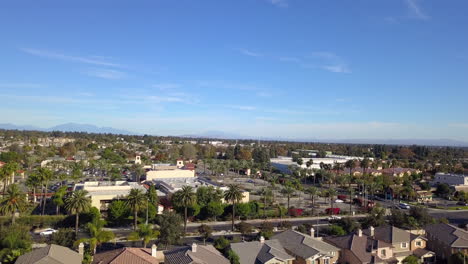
x=446, y=239
x=130, y=255
x=307, y=249
x=196, y=254
x=381, y=245
x=262, y=252
x=52, y=254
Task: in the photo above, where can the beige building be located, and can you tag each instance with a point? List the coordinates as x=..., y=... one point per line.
x=166, y=171
x=103, y=193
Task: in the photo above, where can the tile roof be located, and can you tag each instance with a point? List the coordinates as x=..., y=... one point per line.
x=203, y=255
x=50, y=254
x=256, y=252
x=128, y=255
x=303, y=245
x=449, y=234
x=360, y=246
x=390, y=234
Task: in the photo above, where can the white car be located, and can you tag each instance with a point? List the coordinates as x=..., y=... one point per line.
x=47, y=232
x=334, y=217
x=339, y=201
x=404, y=206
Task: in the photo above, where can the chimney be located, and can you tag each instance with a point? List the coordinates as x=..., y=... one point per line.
x=359, y=232
x=194, y=247
x=371, y=231
x=154, y=249
x=81, y=249
x=262, y=240
x=312, y=232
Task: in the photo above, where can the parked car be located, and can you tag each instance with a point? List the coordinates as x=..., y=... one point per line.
x=333, y=218
x=462, y=203
x=404, y=206
x=47, y=232
x=333, y=211
x=339, y=201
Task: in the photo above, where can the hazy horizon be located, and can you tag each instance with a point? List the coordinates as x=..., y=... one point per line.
x=258, y=68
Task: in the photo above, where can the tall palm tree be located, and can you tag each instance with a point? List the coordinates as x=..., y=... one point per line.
x=97, y=234
x=32, y=182
x=145, y=233
x=13, y=200
x=136, y=200
x=45, y=175
x=313, y=192
x=267, y=193
x=78, y=202
x=332, y=193
x=288, y=191
x=185, y=198
x=57, y=199
x=234, y=195
x=7, y=172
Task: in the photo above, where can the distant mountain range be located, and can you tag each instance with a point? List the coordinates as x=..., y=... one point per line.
x=71, y=127
x=74, y=127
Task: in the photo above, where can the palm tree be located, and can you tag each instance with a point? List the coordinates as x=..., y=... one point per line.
x=136, y=200
x=185, y=198
x=266, y=194
x=312, y=191
x=58, y=198
x=145, y=233
x=332, y=193
x=45, y=175
x=233, y=195
x=32, y=182
x=97, y=234
x=6, y=173
x=13, y=200
x=288, y=191
x=138, y=170
x=78, y=202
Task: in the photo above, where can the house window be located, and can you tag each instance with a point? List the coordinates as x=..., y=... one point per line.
x=418, y=243
x=383, y=252
x=404, y=245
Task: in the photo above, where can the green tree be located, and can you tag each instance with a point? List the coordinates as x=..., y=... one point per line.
x=411, y=260
x=169, y=226
x=221, y=243
x=78, y=202
x=44, y=175
x=215, y=209
x=266, y=230
x=189, y=151
x=97, y=234
x=184, y=198
x=233, y=195
x=336, y=230
x=64, y=237
x=136, y=201
x=205, y=232
x=145, y=233
x=118, y=213
x=15, y=240
x=233, y=257
x=13, y=201
x=288, y=191
x=58, y=198
x=244, y=228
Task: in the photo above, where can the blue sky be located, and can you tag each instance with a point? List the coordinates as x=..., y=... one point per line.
x=261, y=68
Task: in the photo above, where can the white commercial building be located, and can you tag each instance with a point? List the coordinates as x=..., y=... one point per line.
x=451, y=179
x=103, y=193
x=282, y=163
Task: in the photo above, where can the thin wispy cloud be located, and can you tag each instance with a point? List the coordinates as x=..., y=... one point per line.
x=249, y=53
x=166, y=86
x=279, y=3
x=241, y=107
x=289, y=59
x=415, y=10
x=64, y=57
x=20, y=85
x=106, y=74
x=331, y=62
